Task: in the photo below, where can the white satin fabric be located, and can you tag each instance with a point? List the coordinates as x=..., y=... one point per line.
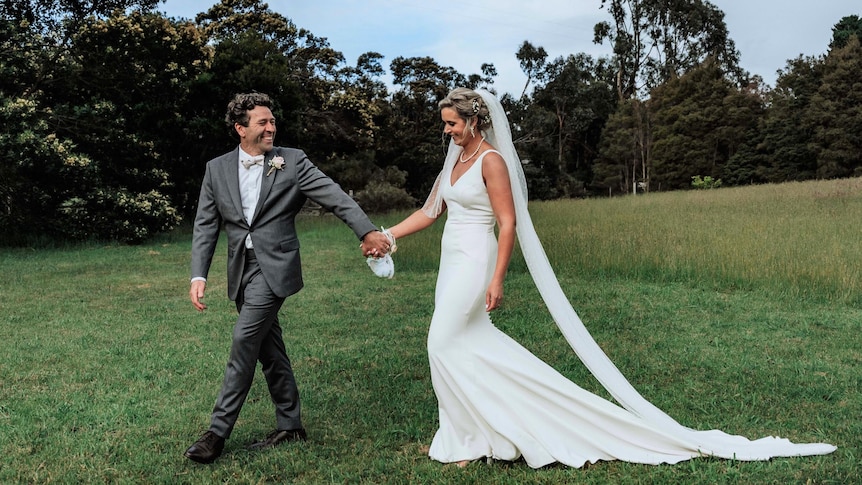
x=498, y=400
x=382, y=267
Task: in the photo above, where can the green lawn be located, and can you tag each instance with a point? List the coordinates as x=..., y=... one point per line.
x=737, y=309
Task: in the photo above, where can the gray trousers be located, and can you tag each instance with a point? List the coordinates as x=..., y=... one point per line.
x=257, y=337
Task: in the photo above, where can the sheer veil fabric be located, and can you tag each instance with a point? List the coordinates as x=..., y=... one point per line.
x=711, y=442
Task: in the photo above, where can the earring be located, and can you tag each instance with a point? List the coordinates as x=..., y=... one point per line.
x=472, y=133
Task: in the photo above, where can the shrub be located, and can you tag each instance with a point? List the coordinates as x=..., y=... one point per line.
x=707, y=182
x=382, y=196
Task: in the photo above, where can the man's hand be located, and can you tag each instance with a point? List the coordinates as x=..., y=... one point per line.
x=375, y=244
x=196, y=293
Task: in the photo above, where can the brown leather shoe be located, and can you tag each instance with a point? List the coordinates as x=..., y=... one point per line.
x=278, y=437
x=206, y=449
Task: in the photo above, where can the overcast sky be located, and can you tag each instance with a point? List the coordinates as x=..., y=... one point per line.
x=466, y=34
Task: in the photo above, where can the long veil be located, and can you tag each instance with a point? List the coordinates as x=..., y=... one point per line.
x=711, y=442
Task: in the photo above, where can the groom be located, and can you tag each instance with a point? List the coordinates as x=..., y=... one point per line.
x=256, y=191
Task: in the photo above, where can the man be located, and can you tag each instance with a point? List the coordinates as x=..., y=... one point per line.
x=255, y=191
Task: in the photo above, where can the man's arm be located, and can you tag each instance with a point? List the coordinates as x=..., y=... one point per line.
x=204, y=240
x=318, y=187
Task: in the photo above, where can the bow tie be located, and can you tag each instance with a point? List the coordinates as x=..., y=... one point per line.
x=258, y=160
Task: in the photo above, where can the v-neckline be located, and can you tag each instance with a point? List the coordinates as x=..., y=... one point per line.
x=451, y=183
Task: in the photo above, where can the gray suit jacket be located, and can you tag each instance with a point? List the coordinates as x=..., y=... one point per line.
x=272, y=228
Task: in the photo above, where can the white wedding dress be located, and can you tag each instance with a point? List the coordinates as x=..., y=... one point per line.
x=496, y=399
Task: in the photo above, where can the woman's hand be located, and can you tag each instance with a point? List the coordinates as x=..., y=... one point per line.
x=494, y=296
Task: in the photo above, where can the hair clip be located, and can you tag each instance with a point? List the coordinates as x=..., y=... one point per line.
x=475, y=105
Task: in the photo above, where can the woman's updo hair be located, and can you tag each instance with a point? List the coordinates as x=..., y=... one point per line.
x=468, y=104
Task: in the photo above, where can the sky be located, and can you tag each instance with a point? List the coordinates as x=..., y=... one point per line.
x=466, y=34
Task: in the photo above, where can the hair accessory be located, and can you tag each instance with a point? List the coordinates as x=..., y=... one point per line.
x=475, y=105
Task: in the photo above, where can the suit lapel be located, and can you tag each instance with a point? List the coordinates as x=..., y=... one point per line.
x=230, y=166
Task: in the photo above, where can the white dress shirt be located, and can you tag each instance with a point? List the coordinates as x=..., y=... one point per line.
x=249, y=189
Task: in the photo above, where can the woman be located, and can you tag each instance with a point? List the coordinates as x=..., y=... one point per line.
x=495, y=398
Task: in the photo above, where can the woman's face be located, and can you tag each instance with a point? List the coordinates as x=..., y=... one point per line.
x=455, y=126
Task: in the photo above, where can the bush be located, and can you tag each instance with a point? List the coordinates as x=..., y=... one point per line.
x=707, y=182
x=118, y=215
x=382, y=196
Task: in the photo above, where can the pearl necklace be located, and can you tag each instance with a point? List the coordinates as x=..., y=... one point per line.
x=465, y=160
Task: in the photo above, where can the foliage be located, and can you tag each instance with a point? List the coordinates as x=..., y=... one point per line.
x=381, y=196
x=655, y=40
x=835, y=113
x=778, y=149
x=698, y=122
x=580, y=97
x=707, y=182
x=376, y=190
x=847, y=27
x=625, y=147
x=56, y=190
x=106, y=124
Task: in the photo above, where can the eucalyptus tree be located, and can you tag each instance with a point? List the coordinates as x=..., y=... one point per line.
x=626, y=142
x=532, y=60
x=655, y=41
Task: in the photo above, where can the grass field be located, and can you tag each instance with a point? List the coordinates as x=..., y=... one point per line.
x=737, y=309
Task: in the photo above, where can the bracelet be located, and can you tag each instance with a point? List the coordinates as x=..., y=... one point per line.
x=392, y=246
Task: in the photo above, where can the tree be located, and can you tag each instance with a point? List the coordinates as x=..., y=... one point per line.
x=101, y=153
x=778, y=150
x=39, y=34
x=324, y=106
x=656, y=40
x=532, y=60
x=847, y=27
x=698, y=122
x=625, y=147
x=835, y=112
x=580, y=100
x=418, y=149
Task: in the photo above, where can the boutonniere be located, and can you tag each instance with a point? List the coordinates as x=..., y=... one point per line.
x=276, y=163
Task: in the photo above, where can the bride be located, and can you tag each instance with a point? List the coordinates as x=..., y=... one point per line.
x=496, y=399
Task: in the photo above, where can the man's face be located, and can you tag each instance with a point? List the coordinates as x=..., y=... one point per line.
x=257, y=138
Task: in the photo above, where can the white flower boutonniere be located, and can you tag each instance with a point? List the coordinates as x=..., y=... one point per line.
x=276, y=163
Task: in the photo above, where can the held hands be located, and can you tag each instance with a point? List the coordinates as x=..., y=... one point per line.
x=376, y=244
x=378, y=257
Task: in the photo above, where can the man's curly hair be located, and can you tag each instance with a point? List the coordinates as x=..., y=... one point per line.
x=241, y=104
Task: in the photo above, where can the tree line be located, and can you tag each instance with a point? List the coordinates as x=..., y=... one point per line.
x=109, y=110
